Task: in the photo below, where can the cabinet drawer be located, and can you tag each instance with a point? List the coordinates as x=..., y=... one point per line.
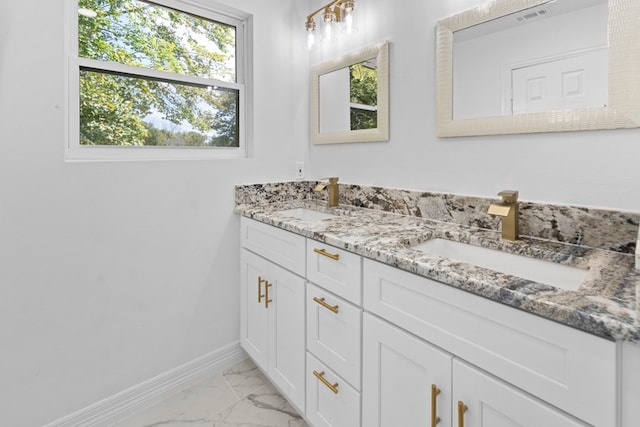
x=570, y=369
x=335, y=269
x=326, y=408
x=333, y=333
x=279, y=246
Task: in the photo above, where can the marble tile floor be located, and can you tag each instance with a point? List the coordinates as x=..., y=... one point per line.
x=239, y=396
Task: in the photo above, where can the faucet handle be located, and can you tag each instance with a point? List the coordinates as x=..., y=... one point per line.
x=509, y=196
x=332, y=180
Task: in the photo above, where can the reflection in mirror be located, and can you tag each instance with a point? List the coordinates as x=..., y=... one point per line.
x=548, y=57
x=521, y=66
x=350, y=98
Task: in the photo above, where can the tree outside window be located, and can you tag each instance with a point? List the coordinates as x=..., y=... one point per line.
x=150, y=75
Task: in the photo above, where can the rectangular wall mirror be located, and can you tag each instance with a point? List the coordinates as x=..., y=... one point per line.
x=524, y=66
x=350, y=97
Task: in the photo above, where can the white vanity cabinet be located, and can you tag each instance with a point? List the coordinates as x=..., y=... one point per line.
x=508, y=368
x=353, y=342
x=334, y=324
x=272, y=306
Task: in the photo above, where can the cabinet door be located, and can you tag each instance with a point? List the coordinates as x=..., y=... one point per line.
x=253, y=313
x=491, y=403
x=399, y=372
x=286, y=333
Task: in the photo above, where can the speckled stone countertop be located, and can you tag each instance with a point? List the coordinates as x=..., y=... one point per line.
x=607, y=304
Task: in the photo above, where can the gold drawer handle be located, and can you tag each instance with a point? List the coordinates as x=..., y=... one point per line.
x=323, y=252
x=267, y=300
x=462, y=408
x=435, y=419
x=333, y=308
x=320, y=376
x=260, y=294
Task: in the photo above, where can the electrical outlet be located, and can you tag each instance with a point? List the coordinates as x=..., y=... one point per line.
x=299, y=170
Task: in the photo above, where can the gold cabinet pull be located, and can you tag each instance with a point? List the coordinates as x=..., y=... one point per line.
x=462, y=408
x=324, y=252
x=267, y=300
x=435, y=419
x=333, y=308
x=320, y=376
x=260, y=282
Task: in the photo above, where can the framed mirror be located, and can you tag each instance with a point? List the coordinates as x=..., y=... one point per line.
x=525, y=66
x=350, y=97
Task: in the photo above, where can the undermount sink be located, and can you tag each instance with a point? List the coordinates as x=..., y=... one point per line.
x=306, y=214
x=537, y=270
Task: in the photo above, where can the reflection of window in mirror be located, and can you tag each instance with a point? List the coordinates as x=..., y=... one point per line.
x=349, y=98
x=364, y=95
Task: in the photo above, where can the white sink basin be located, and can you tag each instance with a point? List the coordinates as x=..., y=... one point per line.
x=537, y=270
x=306, y=214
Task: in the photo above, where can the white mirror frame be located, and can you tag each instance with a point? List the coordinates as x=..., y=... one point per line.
x=623, y=107
x=381, y=52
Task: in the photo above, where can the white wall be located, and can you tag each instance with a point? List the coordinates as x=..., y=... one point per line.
x=112, y=273
x=597, y=168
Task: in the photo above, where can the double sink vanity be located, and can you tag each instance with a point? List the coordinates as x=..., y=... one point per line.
x=386, y=307
x=408, y=308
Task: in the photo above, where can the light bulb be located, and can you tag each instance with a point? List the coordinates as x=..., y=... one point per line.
x=311, y=40
x=328, y=22
x=311, y=30
x=349, y=21
x=327, y=33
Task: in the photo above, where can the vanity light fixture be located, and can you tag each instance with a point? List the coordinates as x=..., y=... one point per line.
x=337, y=16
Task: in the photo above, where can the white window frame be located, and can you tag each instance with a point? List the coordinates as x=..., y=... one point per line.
x=216, y=12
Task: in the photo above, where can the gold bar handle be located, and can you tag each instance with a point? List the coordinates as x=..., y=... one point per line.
x=333, y=308
x=320, y=376
x=267, y=300
x=324, y=252
x=435, y=419
x=462, y=408
x=260, y=282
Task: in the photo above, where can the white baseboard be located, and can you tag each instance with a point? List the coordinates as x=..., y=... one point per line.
x=117, y=407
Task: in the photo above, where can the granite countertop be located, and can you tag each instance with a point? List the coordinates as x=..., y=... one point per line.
x=606, y=304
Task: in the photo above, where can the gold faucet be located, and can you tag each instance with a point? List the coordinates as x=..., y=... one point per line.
x=508, y=210
x=332, y=185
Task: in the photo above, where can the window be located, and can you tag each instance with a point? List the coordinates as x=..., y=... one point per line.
x=161, y=79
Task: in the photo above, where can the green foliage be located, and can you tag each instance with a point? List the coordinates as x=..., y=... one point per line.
x=363, y=119
x=108, y=113
x=131, y=32
x=364, y=90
